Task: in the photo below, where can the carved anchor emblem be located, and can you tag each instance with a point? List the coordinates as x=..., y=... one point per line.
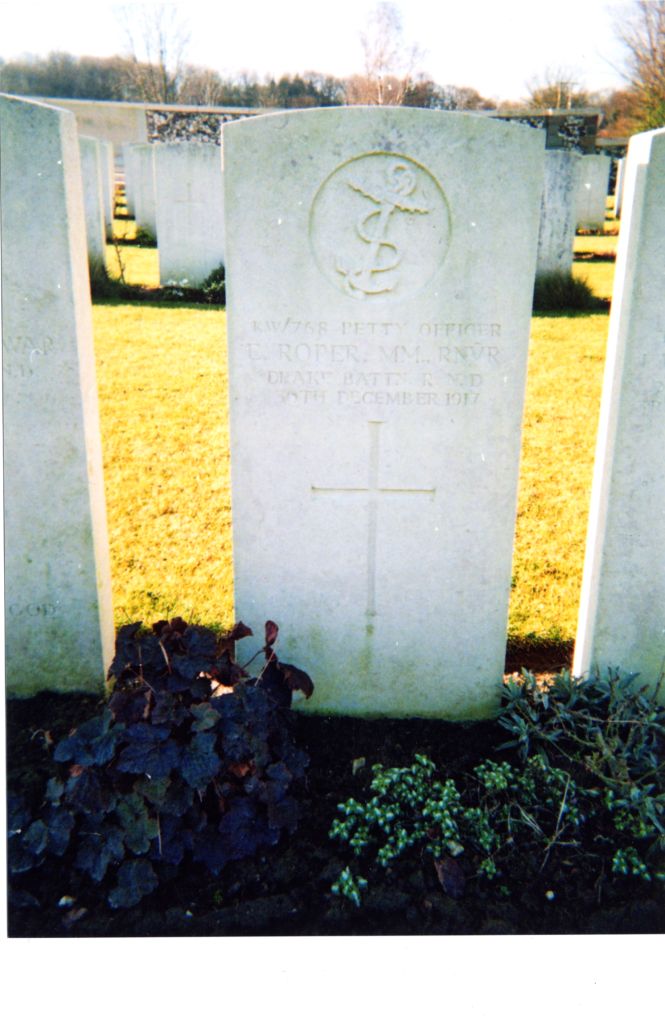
x=380, y=255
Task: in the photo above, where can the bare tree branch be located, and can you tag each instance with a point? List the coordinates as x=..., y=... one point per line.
x=643, y=35
x=156, y=39
x=389, y=62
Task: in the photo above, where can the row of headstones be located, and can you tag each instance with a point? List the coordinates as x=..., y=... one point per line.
x=175, y=193
x=380, y=267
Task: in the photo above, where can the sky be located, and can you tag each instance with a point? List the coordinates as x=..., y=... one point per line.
x=498, y=47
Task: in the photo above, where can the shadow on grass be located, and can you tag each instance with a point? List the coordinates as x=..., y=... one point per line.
x=595, y=257
x=538, y=654
x=570, y=314
x=154, y=303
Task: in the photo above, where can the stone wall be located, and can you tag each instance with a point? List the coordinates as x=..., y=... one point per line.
x=188, y=126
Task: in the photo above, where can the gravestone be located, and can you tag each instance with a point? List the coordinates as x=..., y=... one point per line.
x=380, y=276
x=93, y=203
x=129, y=176
x=622, y=612
x=592, y=191
x=108, y=184
x=556, y=235
x=144, y=194
x=190, y=211
x=58, y=613
x=618, y=189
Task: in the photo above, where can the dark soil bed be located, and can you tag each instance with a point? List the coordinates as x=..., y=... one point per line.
x=285, y=890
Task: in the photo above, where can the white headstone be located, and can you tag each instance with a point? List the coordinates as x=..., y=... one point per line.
x=618, y=189
x=129, y=175
x=556, y=234
x=144, y=199
x=190, y=211
x=622, y=613
x=592, y=192
x=108, y=184
x=93, y=202
x=380, y=273
x=59, y=622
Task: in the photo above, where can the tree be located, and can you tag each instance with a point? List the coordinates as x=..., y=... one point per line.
x=157, y=39
x=643, y=34
x=423, y=92
x=558, y=90
x=389, y=60
x=620, y=114
x=201, y=87
x=62, y=74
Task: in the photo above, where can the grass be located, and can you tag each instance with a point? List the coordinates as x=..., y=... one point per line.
x=597, y=244
x=162, y=380
x=139, y=265
x=161, y=374
x=566, y=360
x=599, y=276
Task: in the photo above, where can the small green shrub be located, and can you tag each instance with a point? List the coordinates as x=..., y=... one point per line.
x=503, y=813
x=558, y=292
x=212, y=291
x=144, y=237
x=610, y=733
x=214, y=286
x=607, y=726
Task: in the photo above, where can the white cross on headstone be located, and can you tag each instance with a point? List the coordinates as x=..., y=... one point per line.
x=373, y=492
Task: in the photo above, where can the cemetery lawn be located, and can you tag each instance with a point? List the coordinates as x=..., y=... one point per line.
x=161, y=374
x=162, y=382
x=136, y=263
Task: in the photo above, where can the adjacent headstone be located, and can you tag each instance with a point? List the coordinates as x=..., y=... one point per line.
x=380, y=274
x=106, y=119
x=93, y=203
x=618, y=190
x=556, y=234
x=622, y=614
x=129, y=177
x=144, y=193
x=592, y=192
x=190, y=211
x=107, y=159
x=58, y=614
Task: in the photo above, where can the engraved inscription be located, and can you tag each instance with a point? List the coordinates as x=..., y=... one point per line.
x=367, y=363
x=380, y=226
x=22, y=356
x=372, y=492
x=45, y=610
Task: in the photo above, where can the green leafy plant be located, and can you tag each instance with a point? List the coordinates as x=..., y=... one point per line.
x=214, y=287
x=586, y=795
x=502, y=813
x=609, y=733
x=191, y=760
x=212, y=291
x=145, y=237
x=607, y=725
